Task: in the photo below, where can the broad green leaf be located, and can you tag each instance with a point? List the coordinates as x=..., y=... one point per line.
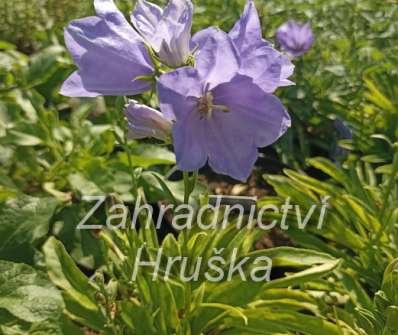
x=47, y=327
x=146, y=155
x=23, y=100
x=30, y=298
x=23, y=222
x=81, y=184
x=44, y=64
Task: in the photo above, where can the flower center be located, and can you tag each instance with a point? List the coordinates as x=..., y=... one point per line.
x=206, y=106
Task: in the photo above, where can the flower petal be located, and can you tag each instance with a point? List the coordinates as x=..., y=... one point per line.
x=178, y=92
x=286, y=71
x=172, y=36
x=189, y=142
x=109, y=54
x=260, y=116
x=107, y=7
x=268, y=68
x=231, y=151
x=199, y=39
x=73, y=86
x=234, y=136
x=246, y=33
x=145, y=122
x=146, y=17
x=255, y=119
x=217, y=61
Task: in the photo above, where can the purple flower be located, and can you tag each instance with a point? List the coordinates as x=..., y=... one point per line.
x=109, y=54
x=258, y=59
x=167, y=31
x=296, y=39
x=221, y=116
x=144, y=122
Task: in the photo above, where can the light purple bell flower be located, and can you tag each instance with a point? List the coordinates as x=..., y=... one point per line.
x=144, y=121
x=167, y=31
x=294, y=38
x=268, y=67
x=109, y=53
x=221, y=115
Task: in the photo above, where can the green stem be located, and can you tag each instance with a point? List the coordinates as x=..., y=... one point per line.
x=131, y=168
x=189, y=187
x=124, y=143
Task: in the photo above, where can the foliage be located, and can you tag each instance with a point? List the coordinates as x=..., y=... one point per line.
x=170, y=305
x=360, y=227
x=29, y=303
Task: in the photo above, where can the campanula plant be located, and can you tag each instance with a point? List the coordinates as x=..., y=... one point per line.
x=219, y=109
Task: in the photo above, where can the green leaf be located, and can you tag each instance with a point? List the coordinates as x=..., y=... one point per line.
x=392, y=317
x=23, y=99
x=170, y=246
x=374, y=159
x=79, y=294
x=44, y=64
x=30, y=298
x=288, y=256
x=312, y=183
x=356, y=292
x=305, y=276
x=156, y=190
x=239, y=293
x=138, y=318
x=146, y=155
x=4, y=45
x=22, y=139
x=390, y=282
x=23, y=222
x=81, y=184
x=165, y=188
x=329, y=168
x=269, y=321
x=47, y=327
